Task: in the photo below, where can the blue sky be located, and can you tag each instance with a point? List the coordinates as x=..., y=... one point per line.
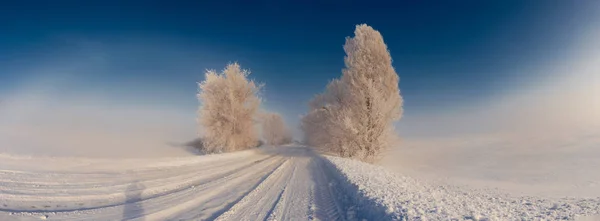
x=449, y=55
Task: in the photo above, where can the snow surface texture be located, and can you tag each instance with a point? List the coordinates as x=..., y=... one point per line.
x=282, y=183
x=557, y=166
x=379, y=194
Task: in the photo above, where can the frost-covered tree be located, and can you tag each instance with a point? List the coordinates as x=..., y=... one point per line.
x=354, y=116
x=320, y=127
x=373, y=100
x=274, y=130
x=229, y=104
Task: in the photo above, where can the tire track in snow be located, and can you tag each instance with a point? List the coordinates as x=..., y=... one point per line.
x=228, y=195
x=298, y=192
x=281, y=198
x=186, y=203
x=293, y=202
x=283, y=183
x=108, y=197
x=154, y=204
x=15, y=180
x=257, y=204
x=326, y=202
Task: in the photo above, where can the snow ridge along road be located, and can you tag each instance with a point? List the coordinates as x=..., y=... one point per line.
x=280, y=183
x=283, y=183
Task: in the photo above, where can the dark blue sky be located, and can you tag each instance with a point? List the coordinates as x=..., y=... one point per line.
x=446, y=53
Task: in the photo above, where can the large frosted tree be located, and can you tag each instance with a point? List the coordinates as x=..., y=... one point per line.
x=229, y=104
x=354, y=116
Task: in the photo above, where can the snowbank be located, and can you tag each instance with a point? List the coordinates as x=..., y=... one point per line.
x=382, y=195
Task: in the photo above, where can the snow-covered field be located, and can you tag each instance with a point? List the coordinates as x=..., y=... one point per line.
x=283, y=183
x=287, y=183
x=553, y=167
x=383, y=195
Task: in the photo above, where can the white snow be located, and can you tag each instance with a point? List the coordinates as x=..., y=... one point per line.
x=283, y=183
x=275, y=183
x=384, y=195
x=553, y=166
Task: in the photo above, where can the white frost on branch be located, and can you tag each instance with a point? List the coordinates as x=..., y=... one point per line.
x=354, y=116
x=229, y=105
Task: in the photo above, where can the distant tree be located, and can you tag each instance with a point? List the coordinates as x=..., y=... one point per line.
x=354, y=116
x=320, y=127
x=274, y=130
x=229, y=102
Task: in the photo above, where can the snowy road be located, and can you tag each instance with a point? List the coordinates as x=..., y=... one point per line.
x=284, y=183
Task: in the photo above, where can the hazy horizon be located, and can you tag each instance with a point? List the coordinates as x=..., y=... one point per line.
x=126, y=78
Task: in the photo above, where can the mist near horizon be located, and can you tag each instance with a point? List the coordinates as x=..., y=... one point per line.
x=77, y=126
x=37, y=119
x=561, y=107
x=136, y=94
x=541, y=137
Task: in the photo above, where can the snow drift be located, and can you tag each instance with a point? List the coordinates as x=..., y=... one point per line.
x=382, y=195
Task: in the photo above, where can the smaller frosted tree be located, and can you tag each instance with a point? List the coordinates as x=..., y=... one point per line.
x=229, y=105
x=274, y=130
x=321, y=126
